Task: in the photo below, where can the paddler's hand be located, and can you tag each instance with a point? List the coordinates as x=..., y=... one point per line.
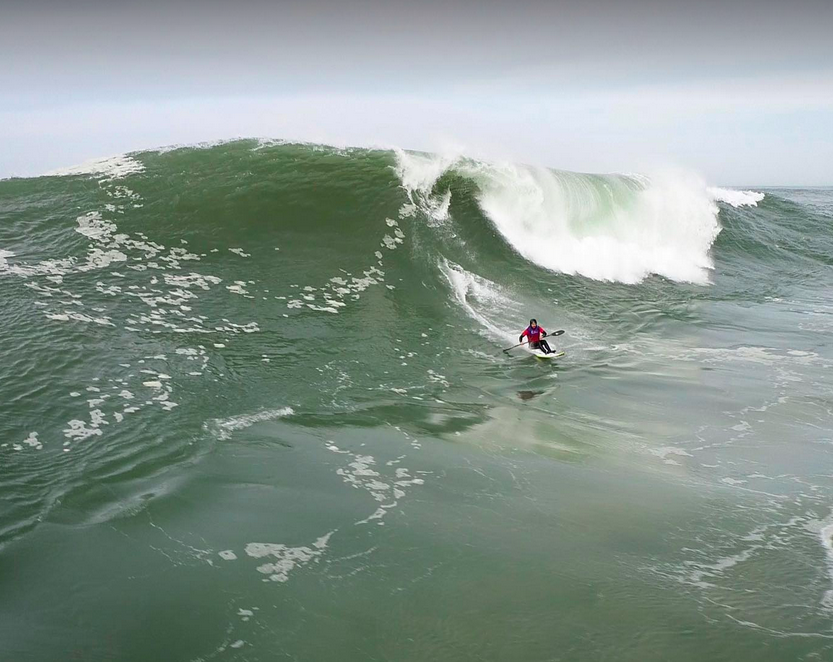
x=544, y=333
x=521, y=339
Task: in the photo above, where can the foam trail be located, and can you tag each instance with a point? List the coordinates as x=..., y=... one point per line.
x=223, y=428
x=476, y=295
x=108, y=168
x=826, y=537
x=606, y=227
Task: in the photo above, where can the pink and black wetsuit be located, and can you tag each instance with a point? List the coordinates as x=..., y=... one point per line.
x=535, y=339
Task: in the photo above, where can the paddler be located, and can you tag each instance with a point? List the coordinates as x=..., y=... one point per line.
x=534, y=335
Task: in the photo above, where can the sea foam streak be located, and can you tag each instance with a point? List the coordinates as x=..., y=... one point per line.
x=606, y=227
x=480, y=298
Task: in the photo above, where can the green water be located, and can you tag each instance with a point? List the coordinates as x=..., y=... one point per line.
x=311, y=447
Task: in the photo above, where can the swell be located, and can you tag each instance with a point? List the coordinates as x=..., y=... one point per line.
x=615, y=228
x=776, y=231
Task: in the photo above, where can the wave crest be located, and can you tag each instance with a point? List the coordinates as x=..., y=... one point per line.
x=736, y=198
x=605, y=227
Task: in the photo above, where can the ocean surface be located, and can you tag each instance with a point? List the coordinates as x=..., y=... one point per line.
x=253, y=406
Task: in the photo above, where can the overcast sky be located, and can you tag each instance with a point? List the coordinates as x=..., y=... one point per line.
x=741, y=92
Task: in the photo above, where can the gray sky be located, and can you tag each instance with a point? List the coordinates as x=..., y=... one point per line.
x=741, y=92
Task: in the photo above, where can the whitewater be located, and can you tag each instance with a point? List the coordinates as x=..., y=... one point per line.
x=254, y=406
x=606, y=227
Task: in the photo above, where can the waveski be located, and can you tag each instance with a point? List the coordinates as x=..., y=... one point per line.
x=541, y=356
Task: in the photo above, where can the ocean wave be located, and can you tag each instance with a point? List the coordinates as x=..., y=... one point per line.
x=617, y=228
x=606, y=227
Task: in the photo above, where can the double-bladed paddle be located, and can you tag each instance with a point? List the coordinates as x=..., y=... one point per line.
x=549, y=335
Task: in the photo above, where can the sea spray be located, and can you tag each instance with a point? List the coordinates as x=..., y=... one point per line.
x=607, y=227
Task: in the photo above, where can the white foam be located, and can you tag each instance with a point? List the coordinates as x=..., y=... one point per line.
x=67, y=315
x=438, y=378
x=360, y=473
x=566, y=225
x=736, y=198
x=99, y=259
x=107, y=168
x=92, y=225
x=239, y=287
x=665, y=451
x=825, y=533
x=418, y=172
x=33, y=441
x=50, y=267
x=4, y=262
x=713, y=570
x=79, y=430
x=223, y=428
x=287, y=558
x=615, y=228
x=197, y=280
x=761, y=355
x=478, y=296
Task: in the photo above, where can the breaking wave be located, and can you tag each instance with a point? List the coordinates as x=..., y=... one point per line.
x=606, y=227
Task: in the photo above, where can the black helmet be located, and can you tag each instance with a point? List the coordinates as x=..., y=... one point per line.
x=533, y=321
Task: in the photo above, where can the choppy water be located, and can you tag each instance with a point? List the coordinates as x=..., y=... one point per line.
x=253, y=406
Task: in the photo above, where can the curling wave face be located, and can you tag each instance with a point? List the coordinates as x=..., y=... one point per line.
x=606, y=227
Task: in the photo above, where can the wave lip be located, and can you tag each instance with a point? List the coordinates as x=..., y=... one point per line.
x=610, y=229
x=736, y=198
x=620, y=228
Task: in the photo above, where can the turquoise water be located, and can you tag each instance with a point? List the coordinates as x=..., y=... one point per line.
x=253, y=406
